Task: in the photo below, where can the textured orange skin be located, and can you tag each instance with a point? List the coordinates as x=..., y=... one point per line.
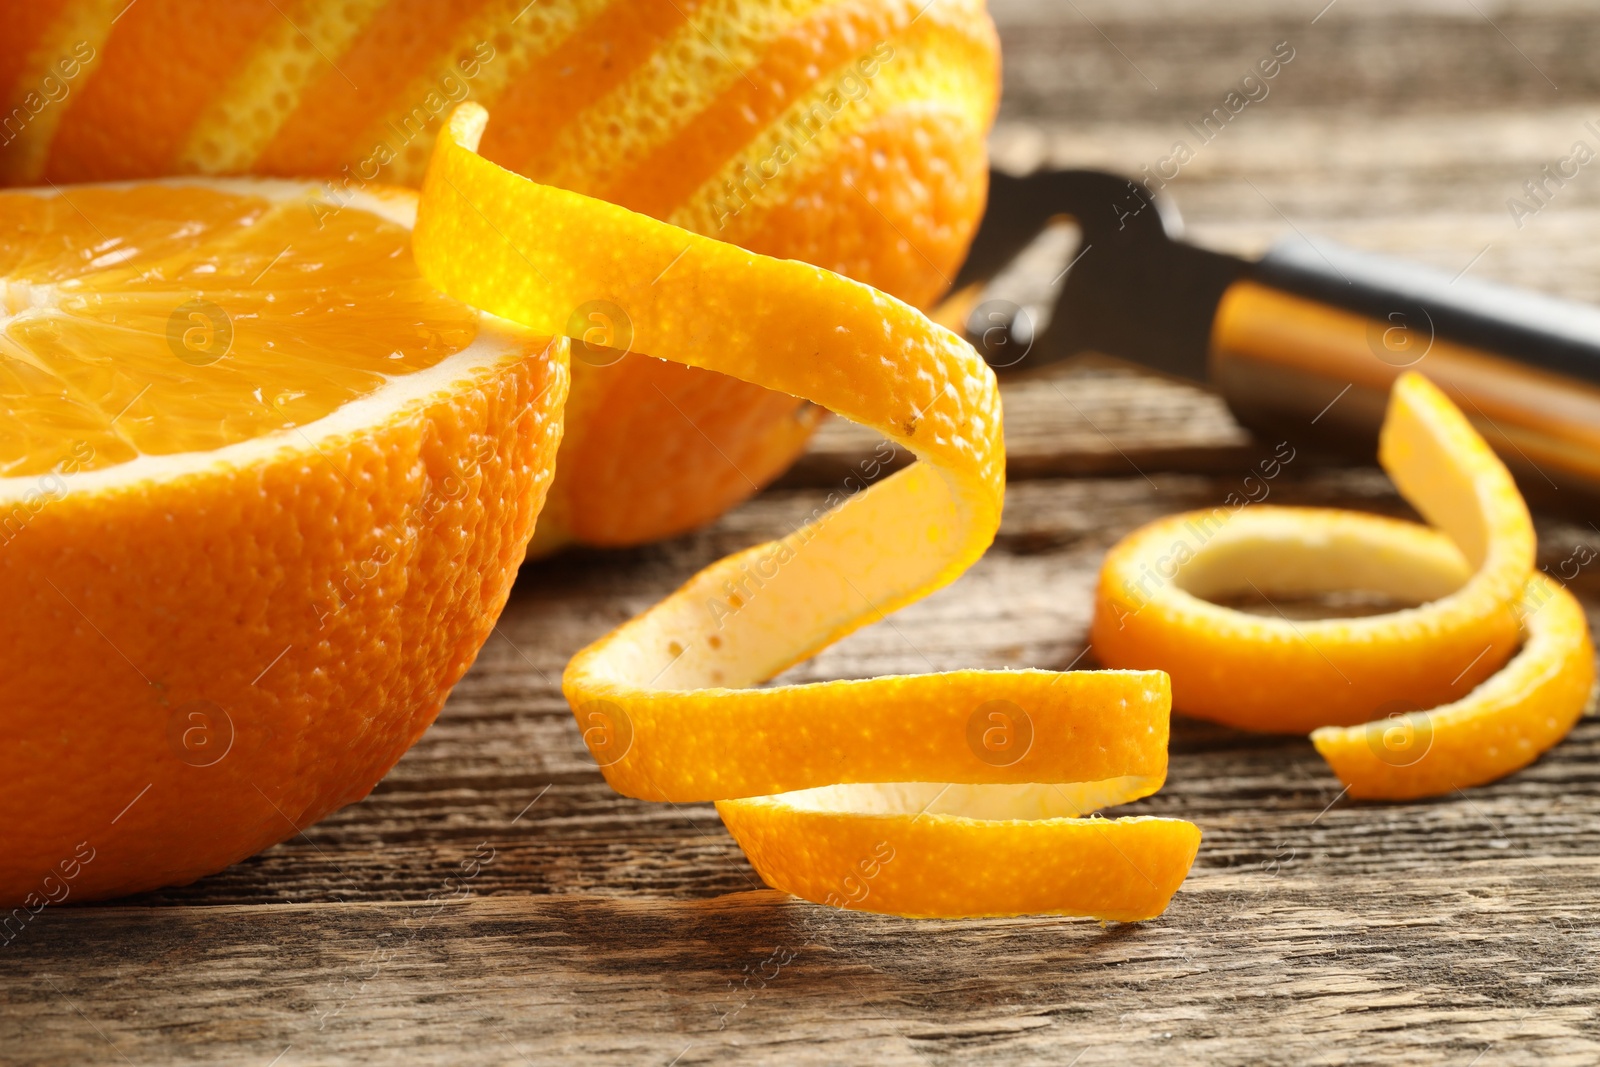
x=1498, y=729
x=126, y=122
x=103, y=648
x=895, y=206
x=662, y=700
x=330, y=119
x=585, y=67
x=621, y=478
x=741, y=437
x=1219, y=672
x=1458, y=714
x=1123, y=870
x=1269, y=674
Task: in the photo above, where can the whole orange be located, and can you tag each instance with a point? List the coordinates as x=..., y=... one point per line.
x=847, y=133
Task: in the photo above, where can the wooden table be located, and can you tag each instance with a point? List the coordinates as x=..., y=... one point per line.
x=1313, y=930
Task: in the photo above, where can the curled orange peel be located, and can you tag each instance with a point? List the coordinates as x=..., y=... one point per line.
x=1501, y=726
x=1405, y=704
x=951, y=794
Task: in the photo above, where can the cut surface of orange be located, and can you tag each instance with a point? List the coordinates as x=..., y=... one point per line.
x=1366, y=683
x=263, y=492
x=822, y=783
x=157, y=319
x=846, y=133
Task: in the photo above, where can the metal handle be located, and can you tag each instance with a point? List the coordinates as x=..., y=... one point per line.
x=1417, y=305
x=1287, y=363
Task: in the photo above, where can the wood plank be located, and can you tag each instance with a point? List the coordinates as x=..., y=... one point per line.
x=1402, y=127
x=1085, y=416
x=1175, y=58
x=1492, y=959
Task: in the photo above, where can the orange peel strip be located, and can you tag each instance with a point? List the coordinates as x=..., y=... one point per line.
x=826, y=786
x=1501, y=726
x=1473, y=577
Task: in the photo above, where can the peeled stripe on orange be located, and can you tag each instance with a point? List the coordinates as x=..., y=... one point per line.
x=263, y=493
x=846, y=133
x=1471, y=575
x=826, y=786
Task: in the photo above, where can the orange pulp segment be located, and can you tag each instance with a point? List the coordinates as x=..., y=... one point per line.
x=183, y=316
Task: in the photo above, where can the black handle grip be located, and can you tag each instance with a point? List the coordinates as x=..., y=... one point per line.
x=1528, y=327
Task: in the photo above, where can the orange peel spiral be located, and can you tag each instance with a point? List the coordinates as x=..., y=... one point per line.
x=1458, y=713
x=950, y=794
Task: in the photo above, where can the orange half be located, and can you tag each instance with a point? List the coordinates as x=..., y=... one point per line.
x=263, y=493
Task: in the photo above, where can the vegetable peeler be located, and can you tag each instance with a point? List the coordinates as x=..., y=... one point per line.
x=1304, y=341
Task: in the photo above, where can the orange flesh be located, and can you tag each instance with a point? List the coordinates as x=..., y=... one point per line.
x=113, y=347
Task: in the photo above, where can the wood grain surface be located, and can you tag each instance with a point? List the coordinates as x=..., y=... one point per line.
x=594, y=928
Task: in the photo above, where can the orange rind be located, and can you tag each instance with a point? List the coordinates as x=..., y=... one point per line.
x=943, y=795
x=1500, y=727
x=846, y=134
x=1363, y=683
